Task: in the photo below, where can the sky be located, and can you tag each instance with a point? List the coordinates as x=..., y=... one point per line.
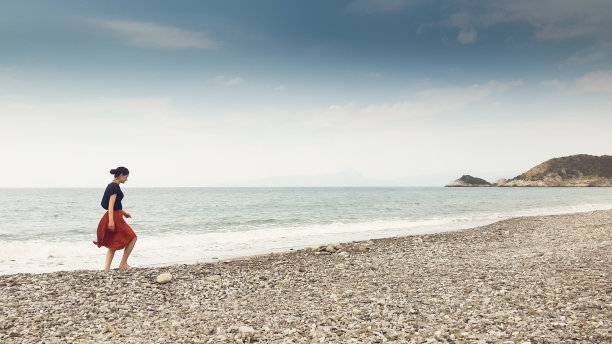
x=239, y=93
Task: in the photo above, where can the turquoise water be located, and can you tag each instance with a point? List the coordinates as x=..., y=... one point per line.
x=45, y=230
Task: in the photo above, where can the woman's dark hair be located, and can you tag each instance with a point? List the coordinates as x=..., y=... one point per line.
x=119, y=171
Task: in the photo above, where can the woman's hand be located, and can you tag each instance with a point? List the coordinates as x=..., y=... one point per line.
x=127, y=214
x=111, y=226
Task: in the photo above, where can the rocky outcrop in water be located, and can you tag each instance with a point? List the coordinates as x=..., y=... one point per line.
x=468, y=181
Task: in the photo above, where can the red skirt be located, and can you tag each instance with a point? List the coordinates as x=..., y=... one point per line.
x=117, y=239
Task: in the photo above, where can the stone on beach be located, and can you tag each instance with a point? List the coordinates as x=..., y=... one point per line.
x=212, y=278
x=164, y=278
x=247, y=330
x=330, y=249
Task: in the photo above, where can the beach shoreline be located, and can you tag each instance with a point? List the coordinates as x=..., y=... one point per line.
x=206, y=224
x=532, y=279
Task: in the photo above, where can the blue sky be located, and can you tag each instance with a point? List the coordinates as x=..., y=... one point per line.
x=205, y=93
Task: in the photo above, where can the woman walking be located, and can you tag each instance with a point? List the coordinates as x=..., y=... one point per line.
x=113, y=232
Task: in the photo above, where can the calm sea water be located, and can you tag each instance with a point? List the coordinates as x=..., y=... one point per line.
x=43, y=230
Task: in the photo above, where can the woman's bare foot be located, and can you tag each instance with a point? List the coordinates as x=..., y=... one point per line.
x=124, y=266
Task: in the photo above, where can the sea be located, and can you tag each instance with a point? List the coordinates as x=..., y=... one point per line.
x=45, y=230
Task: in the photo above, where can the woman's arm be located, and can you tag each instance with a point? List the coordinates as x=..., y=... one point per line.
x=111, y=212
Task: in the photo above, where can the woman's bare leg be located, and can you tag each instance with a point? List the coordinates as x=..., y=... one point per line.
x=109, y=258
x=126, y=253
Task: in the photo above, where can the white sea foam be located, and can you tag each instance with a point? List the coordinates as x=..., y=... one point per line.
x=39, y=256
x=205, y=247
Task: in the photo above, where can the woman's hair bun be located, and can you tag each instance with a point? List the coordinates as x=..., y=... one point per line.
x=119, y=171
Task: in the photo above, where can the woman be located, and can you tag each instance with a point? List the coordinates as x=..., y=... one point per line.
x=113, y=231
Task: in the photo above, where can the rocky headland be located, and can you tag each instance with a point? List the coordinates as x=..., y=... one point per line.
x=544, y=279
x=574, y=170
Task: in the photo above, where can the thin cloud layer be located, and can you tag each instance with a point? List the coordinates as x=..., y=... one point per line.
x=228, y=80
x=554, y=19
x=153, y=36
x=593, y=82
x=432, y=102
x=422, y=104
x=551, y=20
x=600, y=51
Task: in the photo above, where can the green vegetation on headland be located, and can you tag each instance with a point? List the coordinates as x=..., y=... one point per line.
x=574, y=170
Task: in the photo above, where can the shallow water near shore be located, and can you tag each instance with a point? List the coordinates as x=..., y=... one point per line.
x=44, y=230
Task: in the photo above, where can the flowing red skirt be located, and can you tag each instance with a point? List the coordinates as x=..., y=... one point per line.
x=117, y=239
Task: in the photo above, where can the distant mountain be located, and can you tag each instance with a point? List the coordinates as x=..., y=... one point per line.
x=468, y=181
x=574, y=170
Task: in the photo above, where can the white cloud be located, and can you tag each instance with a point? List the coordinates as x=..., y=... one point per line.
x=467, y=36
x=228, y=80
x=553, y=84
x=153, y=36
x=435, y=101
x=350, y=116
x=426, y=103
x=465, y=22
x=234, y=81
x=557, y=32
x=598, y=52
x=279, y=88
x=595, y=82
x=561, y=19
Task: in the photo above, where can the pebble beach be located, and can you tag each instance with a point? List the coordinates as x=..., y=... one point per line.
x=545, y=279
